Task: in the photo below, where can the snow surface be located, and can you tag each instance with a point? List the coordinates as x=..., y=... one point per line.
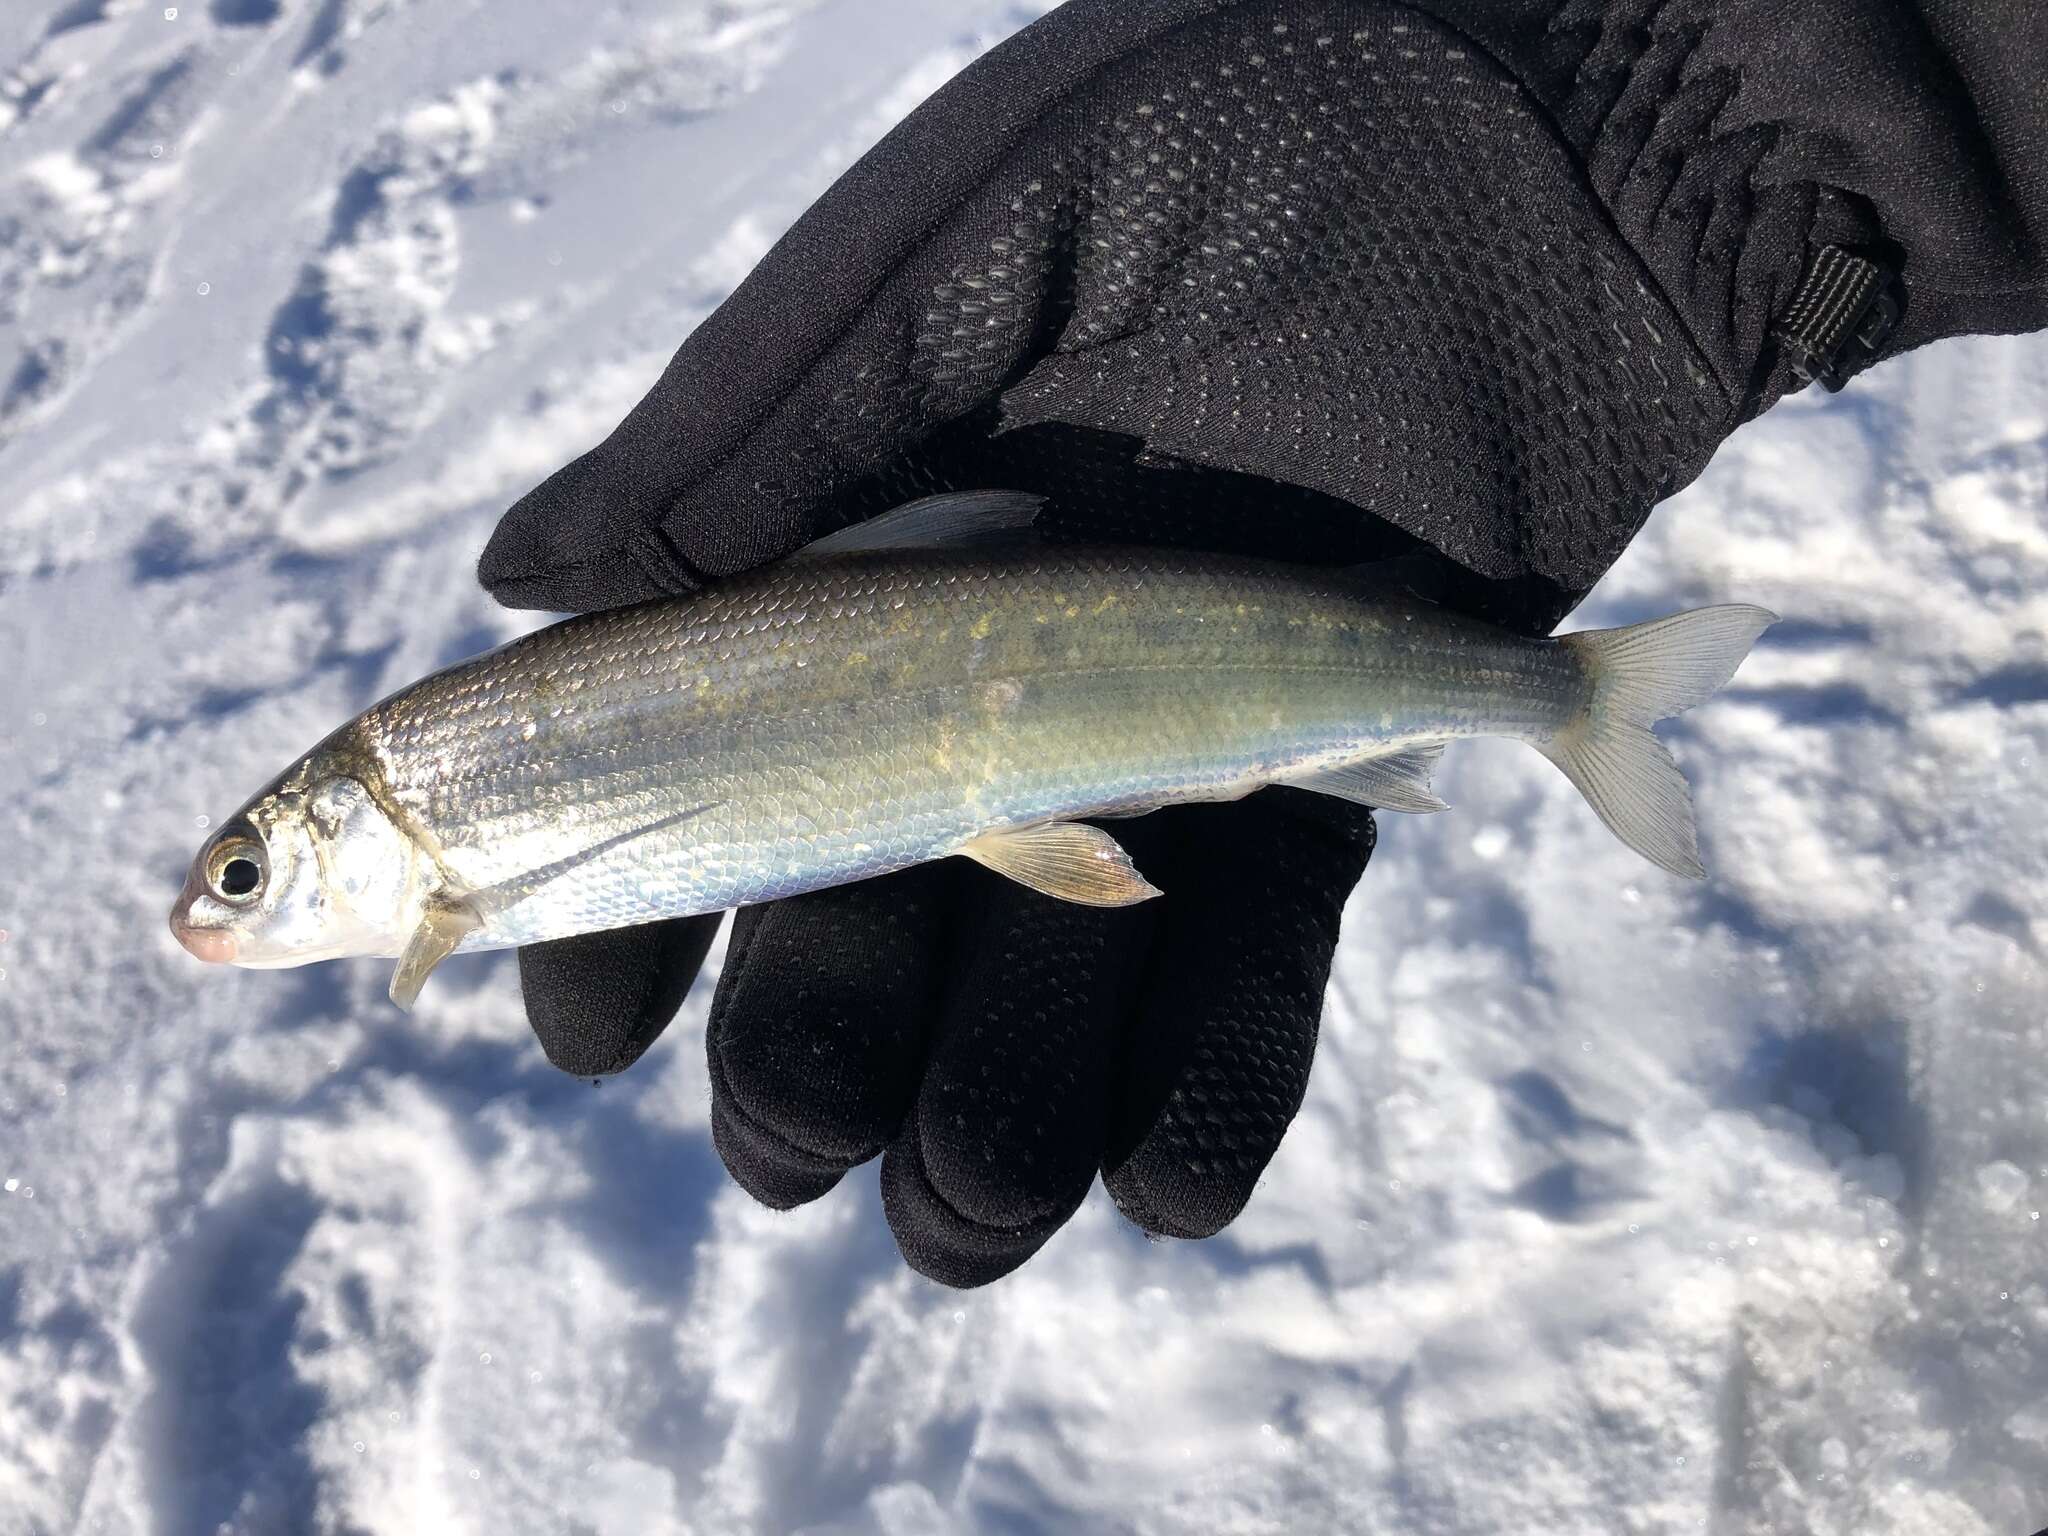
x=1618, y=1205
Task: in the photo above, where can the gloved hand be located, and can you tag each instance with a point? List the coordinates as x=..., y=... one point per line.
x=1316, y=278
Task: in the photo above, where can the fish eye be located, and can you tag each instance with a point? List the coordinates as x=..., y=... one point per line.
x=237, y=869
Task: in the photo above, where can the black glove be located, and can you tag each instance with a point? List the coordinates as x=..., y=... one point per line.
x=1320, y=279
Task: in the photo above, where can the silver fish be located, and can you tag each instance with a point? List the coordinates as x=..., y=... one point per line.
x=930, y=683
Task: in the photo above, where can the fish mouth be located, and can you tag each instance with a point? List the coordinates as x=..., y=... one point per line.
x=216, y=946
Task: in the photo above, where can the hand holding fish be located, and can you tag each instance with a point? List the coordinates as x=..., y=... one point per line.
x=1148, y=458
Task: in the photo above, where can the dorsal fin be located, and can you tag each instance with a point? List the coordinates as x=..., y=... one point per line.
x=954, y=519
x=1417, y=574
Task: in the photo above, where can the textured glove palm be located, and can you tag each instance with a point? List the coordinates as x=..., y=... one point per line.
x=1316, y=278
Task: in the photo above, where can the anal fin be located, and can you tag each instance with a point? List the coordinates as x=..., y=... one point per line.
x=442, y=928
x=1065, y=859
x=1398, y=781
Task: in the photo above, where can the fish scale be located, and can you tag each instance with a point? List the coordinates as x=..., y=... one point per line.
x=836, y=719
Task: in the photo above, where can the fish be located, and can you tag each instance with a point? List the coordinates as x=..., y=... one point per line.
x=939, y=681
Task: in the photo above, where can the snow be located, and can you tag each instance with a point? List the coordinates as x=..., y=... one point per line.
x=1617, y=1204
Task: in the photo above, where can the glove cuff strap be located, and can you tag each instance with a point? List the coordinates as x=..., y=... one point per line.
x=1844, y=310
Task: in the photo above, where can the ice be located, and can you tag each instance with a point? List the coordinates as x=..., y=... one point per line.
x=1616, y=1203
x=2001, y=1185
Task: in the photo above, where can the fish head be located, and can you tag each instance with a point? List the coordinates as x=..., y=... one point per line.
x=311, y=869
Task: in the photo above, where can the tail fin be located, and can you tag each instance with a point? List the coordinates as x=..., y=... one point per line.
x=1641, y=674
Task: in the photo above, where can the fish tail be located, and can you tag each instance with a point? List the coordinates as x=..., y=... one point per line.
x=1641, y=674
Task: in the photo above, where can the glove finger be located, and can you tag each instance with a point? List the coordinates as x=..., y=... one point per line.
x=1225, y=1027
x=598, y=1000
x=829, y=361
x=818, y=1028
x=1007, y=1129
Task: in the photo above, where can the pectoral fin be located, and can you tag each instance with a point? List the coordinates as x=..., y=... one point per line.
x=495, y=898
x=1065, y=859
x=444, y=926
x=1396, y=782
